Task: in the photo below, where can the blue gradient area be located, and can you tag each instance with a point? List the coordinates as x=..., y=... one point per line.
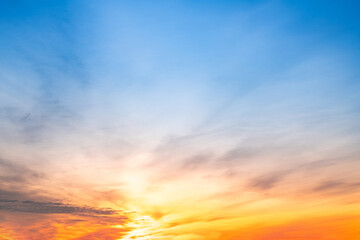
x=174, y=67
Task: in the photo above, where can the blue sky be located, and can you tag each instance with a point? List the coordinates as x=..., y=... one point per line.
x=138, y=62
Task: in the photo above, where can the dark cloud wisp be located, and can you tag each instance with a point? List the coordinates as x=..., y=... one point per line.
x=53, y=208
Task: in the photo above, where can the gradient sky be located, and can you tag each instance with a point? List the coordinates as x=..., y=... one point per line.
x=179, y=120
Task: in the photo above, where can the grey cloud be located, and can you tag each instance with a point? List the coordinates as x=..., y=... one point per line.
x=270, y=180
x=15, y=179
x=13, y=190
x=328, y=162
x=15, y=173
x=328, y=186
x=12, y=194
x=267, y=181
x=337, y=187
x=52, y=208
x=238, y=154
x=320, y=164
x=196, y=161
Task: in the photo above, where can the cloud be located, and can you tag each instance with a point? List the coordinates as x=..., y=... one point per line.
x=239, y=155
x=337, y=187
x=106, y=233
x=52, y=208
x=196, y=161
x=16, y=173
x=55, y=220
x=15, y=180
x=267, y=181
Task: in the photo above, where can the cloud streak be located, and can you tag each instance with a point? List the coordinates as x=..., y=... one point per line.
x=52, y=208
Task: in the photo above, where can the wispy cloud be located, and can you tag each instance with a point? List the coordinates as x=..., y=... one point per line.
x=53, y=208
x=267, y=181
x=16, y=179
x=338, y=187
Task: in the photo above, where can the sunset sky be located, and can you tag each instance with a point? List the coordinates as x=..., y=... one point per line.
x=179, y=120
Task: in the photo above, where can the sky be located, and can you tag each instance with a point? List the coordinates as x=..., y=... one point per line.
x=179, y=120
